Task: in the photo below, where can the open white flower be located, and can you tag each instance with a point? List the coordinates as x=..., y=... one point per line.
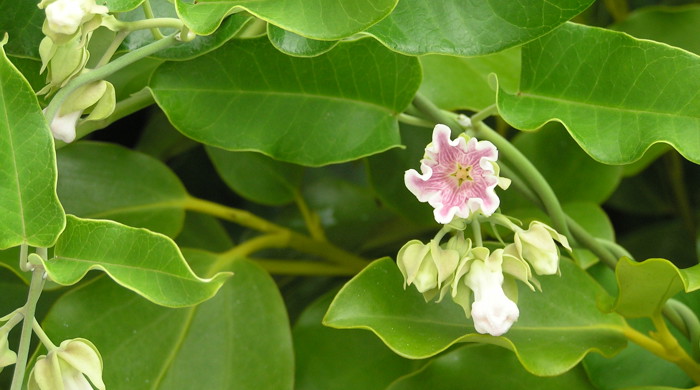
x=68, y=367
x=66, y=16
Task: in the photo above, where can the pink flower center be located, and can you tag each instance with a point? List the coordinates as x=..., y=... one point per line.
x=462, y=174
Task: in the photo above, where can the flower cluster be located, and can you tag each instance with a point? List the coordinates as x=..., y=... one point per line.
x=458, y=180
x=64, y=54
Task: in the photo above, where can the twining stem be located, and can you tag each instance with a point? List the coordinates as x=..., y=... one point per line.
x=414, y=120
x=689, y=323
x=28, y=311
x=43, y=337
x=102, y=72
x=148, y=13
x=297, y=241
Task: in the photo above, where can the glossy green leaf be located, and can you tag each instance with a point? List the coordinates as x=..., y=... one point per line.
x=646, y=286
x=477, y=367
x=663, y=239
x=257, y=177
x=30, y=212
x=122, y=5
x=204, y=232
x=148, y=263
x=296, y=45
x=107, y=181
x=573, y=175
x=457, y=83
x=238, y=340
x=678, y=26
x=321, y=20
x=616, y=95
x=22, y=21
x=311, y=111
x=473, y=27
x=341, y=359
x=543, y=338
x=188, y=50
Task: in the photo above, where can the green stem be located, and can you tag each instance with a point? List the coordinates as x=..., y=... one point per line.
x=313, y=224
x=296, y=241
x=14, y=320
x=433, y=112
x=476, y=230
x=414, y=120
x=28, y=310
x=147, y=24
x=690, y=323
x=485, y=113
x=104, y=71
x=307, y=268
x=23, y=264
x=43, y=337
x=246, y=248
x=148, y=12
x=109, y=52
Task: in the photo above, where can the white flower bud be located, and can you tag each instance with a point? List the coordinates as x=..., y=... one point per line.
x=492, y=311
x=536, y=245
x=68, y=367
x=63, y=127
x=65, y=16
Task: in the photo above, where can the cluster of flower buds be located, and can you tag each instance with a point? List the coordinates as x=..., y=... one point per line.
x=64, y=54
x=458, y=180
x=68, y=367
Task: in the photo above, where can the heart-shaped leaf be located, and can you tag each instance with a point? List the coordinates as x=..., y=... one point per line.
x=616, y=95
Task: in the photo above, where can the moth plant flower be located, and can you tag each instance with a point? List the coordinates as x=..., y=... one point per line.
x=7, y=356
x=537, y=246
x=427, y=267
x=74, y=365
x=66, y=16
x=458, y=176
x=63, y=126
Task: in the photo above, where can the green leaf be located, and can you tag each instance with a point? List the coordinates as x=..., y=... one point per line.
x=616, y=95
x=475, y=91
x=107, y=181
x=30, y=212
x=320, y=20
x=204, y=232
x=470, y=28
x=188, y=50
x=257, y=177
x=122, y=5
x=341, y=359
x=148, y=263
x=678, y=26
x=238, y=340
x=485, y=367
x=22, y=21
x=543, y=338
x=646, y=286
x=296, y=45
x=311, y=111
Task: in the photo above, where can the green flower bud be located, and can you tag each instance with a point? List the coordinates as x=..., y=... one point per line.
x=7, y=356
x=536, y=245
x=69, y=367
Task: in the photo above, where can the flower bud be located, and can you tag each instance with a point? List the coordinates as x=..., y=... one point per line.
x=63, y=126
x=426, y=266
x=7, y=356
x=492, y=311
x=536, y=245
x=66, y=16
x=68, y=367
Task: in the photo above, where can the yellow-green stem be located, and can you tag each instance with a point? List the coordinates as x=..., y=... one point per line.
x=148, y=12
x=313, y=224
x=35, y=287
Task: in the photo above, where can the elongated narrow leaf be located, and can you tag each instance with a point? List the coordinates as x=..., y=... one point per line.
x=30, y=212
x=467, y=366
x=106, y=181
x=311, y=111
x=548, y=338
x=615, y=94
x=646, y=286
x=238, y=340
x=257, y=177
x=320, y=20
x=471, y=27
x=145, y=262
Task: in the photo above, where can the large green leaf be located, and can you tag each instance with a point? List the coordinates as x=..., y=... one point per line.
x=122, y=5
x=341, y=359
x=296, y=45
x=257, y=177
x=198, y=46
x=238, y=340
x=548, y=338
x=314, y=19
x=145, y=262
x=22, y=21
x=616, y=95
x=107, y=181
x=312, y=111
x=646, y=286
x=457, y=83
x=30, y=212
x=471, y=27
x=480, y=367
